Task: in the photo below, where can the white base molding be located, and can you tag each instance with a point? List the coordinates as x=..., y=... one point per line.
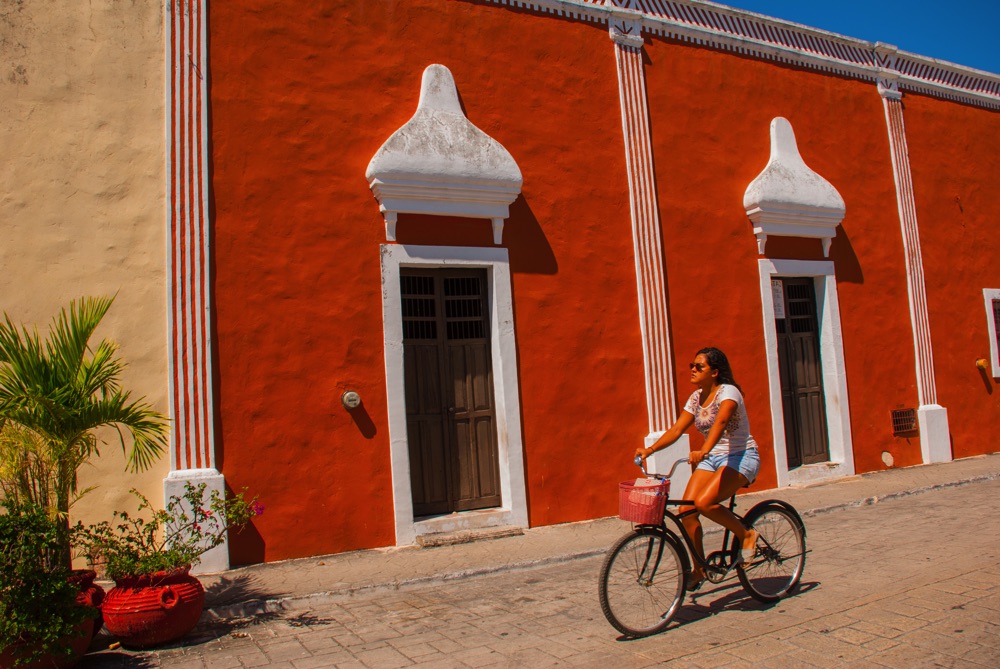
x=817, y=473
x=216, y=559
x=661, y=462
x=935, y=436
x=477, y=521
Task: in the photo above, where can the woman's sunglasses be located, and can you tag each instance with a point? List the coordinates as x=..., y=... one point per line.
x=697, y=366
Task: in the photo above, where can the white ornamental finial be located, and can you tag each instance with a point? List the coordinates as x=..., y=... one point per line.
x=439, y=163
x=788, y=198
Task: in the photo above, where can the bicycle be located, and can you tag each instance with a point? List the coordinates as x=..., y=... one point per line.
x=644, y=576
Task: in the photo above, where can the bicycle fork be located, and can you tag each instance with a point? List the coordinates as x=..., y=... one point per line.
x=646, y=574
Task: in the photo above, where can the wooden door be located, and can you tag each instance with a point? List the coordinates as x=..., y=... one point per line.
x=451, y=417
x=802, y=396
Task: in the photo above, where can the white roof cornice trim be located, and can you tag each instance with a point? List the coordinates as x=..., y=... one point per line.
x=748, y=33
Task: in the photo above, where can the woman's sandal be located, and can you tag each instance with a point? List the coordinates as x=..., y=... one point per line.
x=747, y=553
x=694, y=582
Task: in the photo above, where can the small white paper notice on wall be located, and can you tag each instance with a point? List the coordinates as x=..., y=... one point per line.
x=778, y=297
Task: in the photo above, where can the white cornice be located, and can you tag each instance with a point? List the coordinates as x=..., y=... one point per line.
x=748, y=33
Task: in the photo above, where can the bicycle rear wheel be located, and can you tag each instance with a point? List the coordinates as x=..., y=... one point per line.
x=781, y=552
x=642, y=582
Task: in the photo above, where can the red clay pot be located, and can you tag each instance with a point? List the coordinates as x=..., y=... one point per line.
x=91, y=594
x=154, y=609
x=80, y=644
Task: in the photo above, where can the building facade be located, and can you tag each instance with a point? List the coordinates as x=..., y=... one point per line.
x=440, y=264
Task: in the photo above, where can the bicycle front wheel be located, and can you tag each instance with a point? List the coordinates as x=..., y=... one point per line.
x=777, y=566
x=642, y=582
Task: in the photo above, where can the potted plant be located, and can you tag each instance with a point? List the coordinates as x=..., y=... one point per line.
x=54, y=395
x=25, y=479
x=41, y=623
x=155, y=599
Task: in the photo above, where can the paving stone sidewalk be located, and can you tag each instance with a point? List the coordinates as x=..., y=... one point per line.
x=877, y=593
x=305, y=582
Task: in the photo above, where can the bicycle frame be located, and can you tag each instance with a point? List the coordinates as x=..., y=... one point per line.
x=726, y=564
x=646, y=572
x=706, y=563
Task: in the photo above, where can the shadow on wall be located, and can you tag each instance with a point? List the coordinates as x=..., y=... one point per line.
x=363, y=421
x=530, y=252
x=848, y=265
x=803, y=248
x=246, y=546
x=983, y=366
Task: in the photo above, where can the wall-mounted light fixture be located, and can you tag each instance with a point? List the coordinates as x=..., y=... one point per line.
x=350, y=400
x=983, y=365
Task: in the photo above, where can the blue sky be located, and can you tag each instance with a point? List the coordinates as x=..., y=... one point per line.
x=960, y=32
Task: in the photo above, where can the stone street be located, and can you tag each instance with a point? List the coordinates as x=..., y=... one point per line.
x=908, y=582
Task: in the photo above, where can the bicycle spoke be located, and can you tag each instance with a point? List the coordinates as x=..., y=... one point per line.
x=780, y=556
x=641, y=583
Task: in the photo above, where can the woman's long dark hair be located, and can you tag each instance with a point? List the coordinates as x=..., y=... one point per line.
x=718, y=361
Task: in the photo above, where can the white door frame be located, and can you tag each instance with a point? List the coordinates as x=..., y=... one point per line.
x=831, y=343
x=514, y=509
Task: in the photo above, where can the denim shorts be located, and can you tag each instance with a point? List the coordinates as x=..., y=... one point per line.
x=745, y=462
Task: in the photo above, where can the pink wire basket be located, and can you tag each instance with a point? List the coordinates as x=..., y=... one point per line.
x=642, y=504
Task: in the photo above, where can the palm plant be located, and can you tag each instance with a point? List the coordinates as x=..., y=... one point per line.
x=54, y=395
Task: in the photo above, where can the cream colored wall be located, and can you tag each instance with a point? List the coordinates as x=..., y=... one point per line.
x=82, y=195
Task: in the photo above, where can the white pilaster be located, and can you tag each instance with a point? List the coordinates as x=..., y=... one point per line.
x=654, y=320
x=935, y=440
x=661, y=462
x=192, y=441
x=935, y=437
x=216, y=559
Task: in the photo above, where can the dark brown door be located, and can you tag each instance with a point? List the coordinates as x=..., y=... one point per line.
x=801, y=371
x=451, y=421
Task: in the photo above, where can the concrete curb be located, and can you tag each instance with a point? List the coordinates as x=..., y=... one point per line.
x=252, y=608
x=260, y=607
x=875, y=499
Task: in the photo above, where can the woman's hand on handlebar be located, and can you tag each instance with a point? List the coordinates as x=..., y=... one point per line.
x=696, y=457
x=643, y=453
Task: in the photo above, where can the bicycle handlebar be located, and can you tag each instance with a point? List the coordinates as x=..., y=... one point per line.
x=642, y=465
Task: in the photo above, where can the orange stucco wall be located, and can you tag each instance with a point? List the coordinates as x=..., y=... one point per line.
x=303, y=95
x=956, y=169
x=301, y=100
x=711, y=114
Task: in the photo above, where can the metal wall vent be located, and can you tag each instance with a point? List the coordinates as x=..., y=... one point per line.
x=904, y=422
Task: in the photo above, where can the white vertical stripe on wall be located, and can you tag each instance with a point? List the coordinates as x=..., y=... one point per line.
x=189, y=333
x=916, y=289
x=647, y=242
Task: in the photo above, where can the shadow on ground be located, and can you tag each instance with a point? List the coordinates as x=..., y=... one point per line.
x=105, y=653
x=711, y=601
x=224, y=590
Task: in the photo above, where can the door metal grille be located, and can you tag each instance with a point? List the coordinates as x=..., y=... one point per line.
x=463, y=304
x=419, y=307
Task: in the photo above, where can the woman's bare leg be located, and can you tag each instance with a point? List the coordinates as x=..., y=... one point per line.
x=692, y=524
x=714, y=488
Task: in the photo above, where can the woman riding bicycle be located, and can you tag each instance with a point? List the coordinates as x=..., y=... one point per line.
x=728, y=459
